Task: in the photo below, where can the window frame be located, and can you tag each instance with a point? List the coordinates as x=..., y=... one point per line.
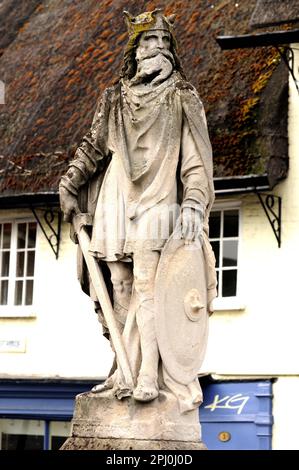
x=11, y=310
x=233, y=302
x=45, y=429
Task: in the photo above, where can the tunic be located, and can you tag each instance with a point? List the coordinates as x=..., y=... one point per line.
x=146, y=157
x=148, y=137
x=161, y=162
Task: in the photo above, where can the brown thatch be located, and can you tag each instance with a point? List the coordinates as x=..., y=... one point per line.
x=58, y=61
x=275, y=12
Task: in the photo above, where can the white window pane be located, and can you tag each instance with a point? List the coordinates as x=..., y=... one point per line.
x=214, y=224
x=230, y=252
x=3, y=292
x=231, y=223
x=216, y=249
x=29, y=293
x=21, y=235
x=30, y=263
x=5, y=263
x=20, y=264
x=32, y=235
x=6, y=236
x=18, y=292
x=229, y=283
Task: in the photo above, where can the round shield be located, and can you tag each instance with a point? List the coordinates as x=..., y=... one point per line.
x=181, y=317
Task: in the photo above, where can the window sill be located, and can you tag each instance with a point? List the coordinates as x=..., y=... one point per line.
x=17, y=312
x=228, y=303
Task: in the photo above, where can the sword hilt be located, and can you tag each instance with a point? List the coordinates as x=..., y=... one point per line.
x=81, y=219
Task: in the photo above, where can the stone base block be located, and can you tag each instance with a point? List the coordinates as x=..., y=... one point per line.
x=103, y=416
x=102, y=422
x=84, y=443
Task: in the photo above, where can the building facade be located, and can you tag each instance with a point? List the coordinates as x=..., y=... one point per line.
x=51, y=345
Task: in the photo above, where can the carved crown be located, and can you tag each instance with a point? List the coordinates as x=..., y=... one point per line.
x=148, y=21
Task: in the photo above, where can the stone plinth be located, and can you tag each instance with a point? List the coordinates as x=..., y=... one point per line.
x=101, y=422
x=94, y=443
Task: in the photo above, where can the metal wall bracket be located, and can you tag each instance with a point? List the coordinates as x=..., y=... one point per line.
x=272, y=207
x=287, y=55
x=50, y=229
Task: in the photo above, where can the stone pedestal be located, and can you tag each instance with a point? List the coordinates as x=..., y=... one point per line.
x=101, y=422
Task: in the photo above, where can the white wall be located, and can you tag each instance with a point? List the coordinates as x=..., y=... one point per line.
x=263, y=338
x=286, y=414
x=64, y=339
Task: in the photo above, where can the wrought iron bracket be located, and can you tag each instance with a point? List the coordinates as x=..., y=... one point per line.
x=287, y=55
x=50, y=225
x=272, y=207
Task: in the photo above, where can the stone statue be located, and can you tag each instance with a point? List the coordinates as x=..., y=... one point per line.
x=143, y=173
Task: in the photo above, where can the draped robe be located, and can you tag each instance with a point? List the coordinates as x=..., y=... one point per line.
x=147, y=155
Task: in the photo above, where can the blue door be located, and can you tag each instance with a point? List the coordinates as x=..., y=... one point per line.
x=237, y=415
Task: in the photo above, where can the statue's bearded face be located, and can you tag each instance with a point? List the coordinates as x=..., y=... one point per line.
x=150, y=41
x=153, y=56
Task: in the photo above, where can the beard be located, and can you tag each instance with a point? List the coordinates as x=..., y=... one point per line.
x=154, y=67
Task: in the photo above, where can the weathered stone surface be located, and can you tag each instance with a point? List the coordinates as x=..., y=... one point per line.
x=144, y=172
x=102, y=416
x=87, y=443
x=146, y=165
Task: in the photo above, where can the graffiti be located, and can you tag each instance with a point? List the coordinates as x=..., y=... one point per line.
x=234, y=402
x=2, y=92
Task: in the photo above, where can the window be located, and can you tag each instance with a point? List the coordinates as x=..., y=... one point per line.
x=17, y=260
x=59, y=432
x=27, y=434
x=224, y=237
x=21, y=434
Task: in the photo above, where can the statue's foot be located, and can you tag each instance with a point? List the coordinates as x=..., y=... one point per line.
x=107, y=385
x=146, y=390
x=119, y=389
x=121, y=392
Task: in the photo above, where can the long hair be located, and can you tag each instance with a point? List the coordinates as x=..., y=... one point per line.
x=129, y=67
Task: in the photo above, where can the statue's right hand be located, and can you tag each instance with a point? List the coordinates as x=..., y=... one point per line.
x=68, y=204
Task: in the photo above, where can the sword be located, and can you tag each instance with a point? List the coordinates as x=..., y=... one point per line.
x=80, y=221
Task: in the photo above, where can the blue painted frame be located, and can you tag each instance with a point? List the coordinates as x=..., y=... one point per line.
x=44, y=400
x=249, y=422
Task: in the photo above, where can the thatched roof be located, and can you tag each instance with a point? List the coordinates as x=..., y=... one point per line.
x=274, y=12
x=59, y=55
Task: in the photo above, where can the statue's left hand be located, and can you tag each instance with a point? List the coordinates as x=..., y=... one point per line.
x=192, y=225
